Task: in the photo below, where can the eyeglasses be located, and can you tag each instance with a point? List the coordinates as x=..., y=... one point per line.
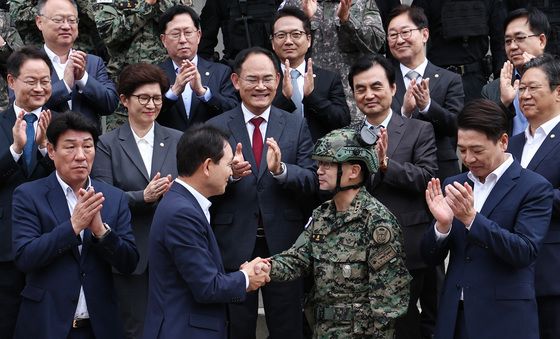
x=405, y=33
x=143, y=99
x=44, y=83
x=519, y=39
x=294, y=35
x=59, y=19
x=176, y=35
x=254, y=81
x=326, y=165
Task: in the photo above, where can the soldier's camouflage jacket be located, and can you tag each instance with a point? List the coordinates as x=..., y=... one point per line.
x=357, y=262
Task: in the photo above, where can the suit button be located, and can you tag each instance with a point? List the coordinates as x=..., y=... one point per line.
x=83, y=274
x=468, y=259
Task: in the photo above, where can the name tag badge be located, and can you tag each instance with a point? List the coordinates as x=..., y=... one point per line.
x=104, y=1
x=346, y=271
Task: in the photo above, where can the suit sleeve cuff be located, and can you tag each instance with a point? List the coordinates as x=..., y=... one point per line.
x=170, y=95
x=441, y=236
x=15, y=155
x=246, y=279
x=206, y=96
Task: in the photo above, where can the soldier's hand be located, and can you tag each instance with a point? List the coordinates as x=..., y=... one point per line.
x=421, y=92
x=151, y=2
x=19, y=134
x=309, y=7
x=438, y=206
x=409, y=102
x=343, y=11
x=41, y=135
x=308, y=80
x=239, y=166
x=287, y=89
x=274, y=156
x=79, y=59
x=507, y=90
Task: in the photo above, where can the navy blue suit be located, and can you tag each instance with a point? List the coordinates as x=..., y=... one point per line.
x=189, y=288
x=546, y=162
x=494, y=263
x=99, y=96
x=213, y=75
x=46, y=249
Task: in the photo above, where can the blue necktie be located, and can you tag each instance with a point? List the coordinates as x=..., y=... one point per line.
x=29, y=147
x=297, y=97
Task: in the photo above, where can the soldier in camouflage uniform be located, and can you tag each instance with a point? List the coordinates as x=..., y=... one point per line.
x=130, y=31
x=343, y=31
x=23, y=13
x=9, y=41
x=352, y=246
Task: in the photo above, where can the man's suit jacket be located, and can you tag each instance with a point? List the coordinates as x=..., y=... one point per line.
x=546, y=162
x=213, y=75
x=118, y=162
x=99, y=96
x=492, y=92
x=493, y=263
x=325, y=109
x=283, y=207
x=412, y=163
x=189, y=288
x=46, y=249
x=12, y=174
x=446, y=93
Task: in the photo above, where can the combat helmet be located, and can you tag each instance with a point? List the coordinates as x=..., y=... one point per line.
x=344, y=145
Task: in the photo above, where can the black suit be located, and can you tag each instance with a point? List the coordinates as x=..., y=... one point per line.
x=118, y=162
x=217, y=78
x=412, y=162
x=12, y=174
x=446, y=93
x=325, y=109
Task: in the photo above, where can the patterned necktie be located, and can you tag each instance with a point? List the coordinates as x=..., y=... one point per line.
x=297, y=97
x=29, y=147
x=257, y=140
x=413, y=75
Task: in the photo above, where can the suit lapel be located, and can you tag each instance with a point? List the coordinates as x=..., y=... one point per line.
x=239, y=133
x=274, y=129
x=516, y=145
x=59, y=205
x=431, y=72
x=161, y=149
x=549, y=144
x=395, y=132
x=401, y=88
x=503, y=186
x=7, y=123
x=128, y=144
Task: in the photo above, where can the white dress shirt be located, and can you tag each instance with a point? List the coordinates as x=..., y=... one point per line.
x=385, y=121
x=59, y=69
x=37, y=112
x=72, y=200
x=146, y=148
x=534, y=142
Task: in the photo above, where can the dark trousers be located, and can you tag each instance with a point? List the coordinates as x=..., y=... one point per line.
x=282, y=304
x=425, y=286
x=460, y=324
x=12, y=282
x=549, y=316
x=132, y=294
x=81, y=333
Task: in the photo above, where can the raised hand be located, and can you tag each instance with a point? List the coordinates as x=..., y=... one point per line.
x=308, y=79
x=287, y=89
x=157, y=187
x=507, y=90
x=195, y=80
x=382, y=145
x=309, y=7
x=421, y=93
x=43, y=123
x=239, y=166
x=19, y=134
x=79, y=59
x=88, y=205
x=409, y=102
x=274, y=156
x=460, y=199
x=343, y=11
x=438, y=206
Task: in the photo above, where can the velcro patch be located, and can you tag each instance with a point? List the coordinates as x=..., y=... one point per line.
x=383, y=256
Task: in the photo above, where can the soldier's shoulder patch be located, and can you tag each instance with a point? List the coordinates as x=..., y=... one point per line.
x=382, y=235
x=382, y=257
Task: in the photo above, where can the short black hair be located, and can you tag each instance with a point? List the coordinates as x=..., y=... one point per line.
x=368, y=61
x=550, y=65
x=538, y=22
x=69, y=120
x=171, y=12
x=136, y=75
x=484, y=116
x=416, y=15
x=244, y=54
x=198, y=143
x=296, y=13
x=20, y=56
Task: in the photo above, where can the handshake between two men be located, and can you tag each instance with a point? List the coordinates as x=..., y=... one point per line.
x=257, y=271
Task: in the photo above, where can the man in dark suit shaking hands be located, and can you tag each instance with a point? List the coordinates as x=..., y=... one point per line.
x=189, y=287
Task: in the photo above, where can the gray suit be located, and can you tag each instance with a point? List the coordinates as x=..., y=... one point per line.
x=118, y=162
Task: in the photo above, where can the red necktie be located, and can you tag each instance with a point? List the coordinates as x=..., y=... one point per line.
x=257, y=140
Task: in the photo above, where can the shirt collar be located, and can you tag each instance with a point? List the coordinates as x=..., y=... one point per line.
x=421, y=69
x=300, y=68
x=202, y=200
x=65, y=187
x=545, y=128
x=194, y=61
x=149, y=137
x=496, y=174
x=36, y=111
x=248, y=115
x=52, y=55
x=385, y=122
